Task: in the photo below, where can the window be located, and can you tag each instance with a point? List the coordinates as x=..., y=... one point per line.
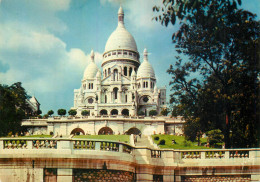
x=105, y=98
x=146, y=84
x=130, y=71
x=105, y=73
x=109, y=71
x=90, y=101
x=143, y=84
x=114, y=53
x=126, y=98
x=125, y=71
x=125, y=53
x=145, y=99
x=115, y=90
x=115, y=74
x=119, y=52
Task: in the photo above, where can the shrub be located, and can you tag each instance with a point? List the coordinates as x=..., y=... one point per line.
x=45, y=116
x=162, y=142
x=165, y=112
x=140, y=113
x=187, y=143
x=156, y=138
x=50, y=112
x=51, y=132
x=215, y=137
x=85, y=113
x=39, y=116
x=152, y=113
x=72, y=112
x=62, y=112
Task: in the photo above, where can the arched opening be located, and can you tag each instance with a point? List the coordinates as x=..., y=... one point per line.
x=77, y=131
x=108, y=71
x=103, y=112
x=115, y=90
x=125, y=71
x=134, y=131
x=125, y=112
x=130, y=71
x=105, y=131
x=115, y=74
x=114, y=112
x=105, y=73
x=105, y=98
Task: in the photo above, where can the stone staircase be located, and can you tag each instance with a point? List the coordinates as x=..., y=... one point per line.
x=143, y=142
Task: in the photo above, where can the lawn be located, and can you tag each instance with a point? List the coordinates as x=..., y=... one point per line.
x=121, y=138
x=181, y=143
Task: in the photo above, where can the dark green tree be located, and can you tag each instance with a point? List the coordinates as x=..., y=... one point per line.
x=61, y=112
x=13, y=108
x=72, y=112
x=215, y=137
x=50, y=112
x=85, y=113
x=221, y=43
x=153, y=113
x=165, y=112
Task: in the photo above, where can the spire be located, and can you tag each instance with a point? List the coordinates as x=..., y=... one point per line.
x=92, y=55
x=145, y=55
x=120, y=16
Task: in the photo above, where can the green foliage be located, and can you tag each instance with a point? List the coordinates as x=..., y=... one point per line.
x=39, y=116
x=13, y=108
x=61, y=112
x=215, y=137
x=152, y=113
x=121, y=138
x=85, y=113
x=181, y=142
x=50, y=112
x=45, y=116
x=156, y=138
x=140, y=113
x=165, y=112
x=162, y=142
x=221, y=43
x=72, y=112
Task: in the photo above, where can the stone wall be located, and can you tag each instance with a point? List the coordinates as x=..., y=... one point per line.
x=102, y=175
x=235, y=178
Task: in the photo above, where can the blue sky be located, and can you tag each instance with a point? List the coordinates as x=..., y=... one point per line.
x=45, y=44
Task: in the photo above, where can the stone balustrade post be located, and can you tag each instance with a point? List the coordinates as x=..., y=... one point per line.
x=97, y=145
x=120, y=147
x=29, y=144
x=203, y=155
x=1, y=144
x=227, y=154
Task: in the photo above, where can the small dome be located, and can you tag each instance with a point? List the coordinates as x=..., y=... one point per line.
x=98, y=75
x=133, y=73
x=92, y=69
x=145, y=70
x=121, y=38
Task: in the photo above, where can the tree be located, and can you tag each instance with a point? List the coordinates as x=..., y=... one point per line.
x=13, y=108
x=215, y=137
x=61, y=112
x=50, y=112
x=152, y=113
x=72, y=112
x=85, y=113
x=222, y=44
x=140, y=113
x=165, y=112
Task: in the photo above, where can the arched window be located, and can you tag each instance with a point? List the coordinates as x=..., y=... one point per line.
x=130, y=71
x=125, y=71
x=109, y=71
x=126, y=98
x=103, y=112
x=115, y=90
x=105, y=98
x=115, y=74
x=146, y=84
x=125, y=112
x=114, y=112
x=143, y=84
x=105, y=73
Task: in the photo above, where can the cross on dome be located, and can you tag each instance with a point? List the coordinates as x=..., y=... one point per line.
x=120, y=16
x=92, y=55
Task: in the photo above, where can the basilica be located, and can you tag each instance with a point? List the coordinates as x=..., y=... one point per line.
x=124, y=86
x=119, y=98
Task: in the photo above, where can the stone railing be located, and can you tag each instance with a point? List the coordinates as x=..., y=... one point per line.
x=78, y=145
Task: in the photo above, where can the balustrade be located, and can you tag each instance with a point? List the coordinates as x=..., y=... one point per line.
x=191, y=155
x=156, y=154
x=127, y=149
x=215, y=154
x=109, y=146
x=88, y=145
x=239, y=154
x=15, y=144
x=44, y=144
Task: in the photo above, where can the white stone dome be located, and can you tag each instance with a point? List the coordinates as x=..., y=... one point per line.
x=145, y=70
x=121, y=38
x=92, y=69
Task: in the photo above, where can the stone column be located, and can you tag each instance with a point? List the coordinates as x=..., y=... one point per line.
x=64, y=175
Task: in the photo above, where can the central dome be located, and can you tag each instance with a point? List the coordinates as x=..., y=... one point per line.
x=121, y=38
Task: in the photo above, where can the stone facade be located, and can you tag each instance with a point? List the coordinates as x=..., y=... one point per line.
x=123, y=86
